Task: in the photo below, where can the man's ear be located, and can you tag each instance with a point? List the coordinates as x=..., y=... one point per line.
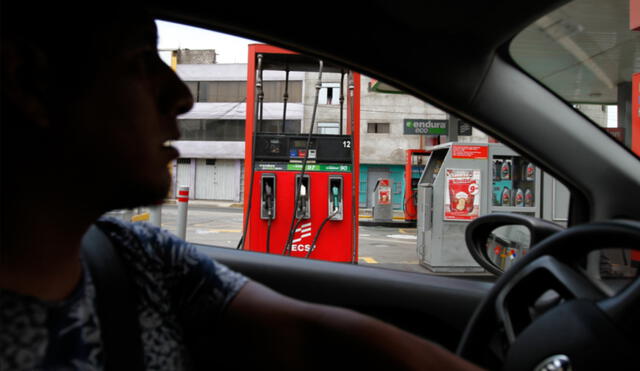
x=24, y=74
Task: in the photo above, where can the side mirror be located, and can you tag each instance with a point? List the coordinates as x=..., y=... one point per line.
x=496, y=241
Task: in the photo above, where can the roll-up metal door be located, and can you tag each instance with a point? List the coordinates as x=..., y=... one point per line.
x=241, y=186
x=205, y=179
x=217, y=179
x=227, y=180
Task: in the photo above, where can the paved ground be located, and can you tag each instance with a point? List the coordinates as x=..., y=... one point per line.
x=220, y=224
x=223, y=227
x=394, y=247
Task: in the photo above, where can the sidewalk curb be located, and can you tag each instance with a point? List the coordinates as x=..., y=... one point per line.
x=398, y=221
x=229, y=204
x=392, y=224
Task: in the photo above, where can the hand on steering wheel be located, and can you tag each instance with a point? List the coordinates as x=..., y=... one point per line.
x=584, y=327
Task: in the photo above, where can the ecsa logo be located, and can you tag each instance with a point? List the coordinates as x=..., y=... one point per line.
x=301, y=247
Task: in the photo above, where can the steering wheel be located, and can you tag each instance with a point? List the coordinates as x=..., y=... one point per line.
x=545, y=312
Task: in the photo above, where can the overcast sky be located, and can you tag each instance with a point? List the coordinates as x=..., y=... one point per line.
x=229, y=49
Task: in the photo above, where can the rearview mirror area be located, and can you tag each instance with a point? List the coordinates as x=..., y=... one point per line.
x=497, y=241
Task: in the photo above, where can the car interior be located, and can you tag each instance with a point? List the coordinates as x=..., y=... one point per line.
x=457, y=57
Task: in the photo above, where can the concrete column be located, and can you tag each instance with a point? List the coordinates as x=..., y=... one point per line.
x=624, y=110
x=452, y=135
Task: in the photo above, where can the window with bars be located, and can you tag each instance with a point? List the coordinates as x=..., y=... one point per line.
x=328, y=128
x=212, y=130
x=229, y=130
x=329, y=93
x=275, y=126
x=378, y=127
x=236, y=91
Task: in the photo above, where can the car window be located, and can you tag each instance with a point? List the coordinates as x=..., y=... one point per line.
x=423, y=174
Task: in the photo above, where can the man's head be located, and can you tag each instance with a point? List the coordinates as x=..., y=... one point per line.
x=87, y=105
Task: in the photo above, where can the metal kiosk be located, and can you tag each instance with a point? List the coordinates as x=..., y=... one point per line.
x=461, y=182
x=382, y=211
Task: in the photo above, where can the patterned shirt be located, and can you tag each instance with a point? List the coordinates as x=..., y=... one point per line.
x=172, y=281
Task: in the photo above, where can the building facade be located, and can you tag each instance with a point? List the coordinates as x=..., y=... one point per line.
x=212, y=143
x=212, y=133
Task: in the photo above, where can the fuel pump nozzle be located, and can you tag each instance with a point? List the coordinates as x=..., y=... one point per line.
x=268, y=202
x=268, y=193
x=335, y=193
x=268, y=196
x=335, y=198
x=302, y=201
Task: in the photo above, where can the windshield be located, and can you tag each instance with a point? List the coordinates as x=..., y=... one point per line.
x=588, y=53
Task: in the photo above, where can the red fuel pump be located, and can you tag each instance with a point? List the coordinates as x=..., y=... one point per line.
x=300, y=188
x=415, y=162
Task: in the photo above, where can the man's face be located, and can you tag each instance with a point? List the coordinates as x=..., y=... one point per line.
x=119, y=126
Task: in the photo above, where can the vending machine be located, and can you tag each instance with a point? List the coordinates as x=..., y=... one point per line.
x=300, y=190
x=463, y=181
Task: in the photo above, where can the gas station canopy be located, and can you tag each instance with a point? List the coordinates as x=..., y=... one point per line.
x=582, y=51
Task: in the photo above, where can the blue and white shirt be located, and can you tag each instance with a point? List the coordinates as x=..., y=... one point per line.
x=172, y=282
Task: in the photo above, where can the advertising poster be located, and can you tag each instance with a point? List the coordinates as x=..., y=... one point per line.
x=384, y=192
x=462, y=194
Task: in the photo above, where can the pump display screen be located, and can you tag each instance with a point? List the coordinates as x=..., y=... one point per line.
x=298, y=149
x=302, y=144
x=285, y=147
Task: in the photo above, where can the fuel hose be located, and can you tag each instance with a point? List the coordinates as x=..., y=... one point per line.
x=270, y=207
x=336, y=209
x=292, y=228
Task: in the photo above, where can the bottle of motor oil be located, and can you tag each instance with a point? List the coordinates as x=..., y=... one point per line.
x=528, y=198
x=436, y=170
x=506, y=197
x=495, y=199
x=530, y=172
x=519, y=199
x=505, y=170
x=497, y=166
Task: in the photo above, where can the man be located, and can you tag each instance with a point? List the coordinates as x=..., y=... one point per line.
x=94, y=105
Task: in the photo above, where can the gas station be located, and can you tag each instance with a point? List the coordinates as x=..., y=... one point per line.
x=462, y=181
x=301, y=189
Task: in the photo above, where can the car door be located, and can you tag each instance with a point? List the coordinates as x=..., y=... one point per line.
x=469, y=74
